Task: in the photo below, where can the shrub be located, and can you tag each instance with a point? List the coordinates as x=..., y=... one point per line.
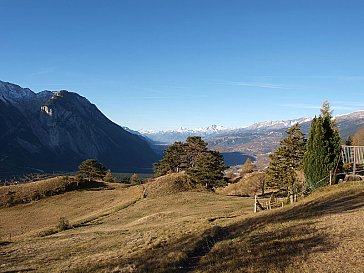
x=109, y=177
x=134, y=179
x=63, y=224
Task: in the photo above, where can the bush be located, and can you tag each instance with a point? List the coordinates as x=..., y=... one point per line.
x=109, y=177
x=63, y=224
x=272, y=198
x=134, y=179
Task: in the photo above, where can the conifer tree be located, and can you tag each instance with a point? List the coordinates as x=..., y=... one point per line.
x=91, y=169
x=287, y=160
x=204, y=166
x=208, y=169
x=180, y=156
x=322, y=150
x=247, y=167
x=174, y=160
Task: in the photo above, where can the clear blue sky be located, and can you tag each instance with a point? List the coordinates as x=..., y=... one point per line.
x=162, y=64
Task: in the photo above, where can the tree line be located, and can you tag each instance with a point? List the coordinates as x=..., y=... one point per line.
x=317, y=156
x=314, y=158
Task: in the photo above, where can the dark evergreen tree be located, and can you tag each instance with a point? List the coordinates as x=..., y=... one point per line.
x=322, y=150
x=287, y=160
x=194, y=147
x=91, y=169
x=208, y=169
x=180, y=156
x=204, y=166
x=174, y=160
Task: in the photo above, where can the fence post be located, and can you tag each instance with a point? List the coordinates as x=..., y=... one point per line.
x=255, y=203
x=354, y=166
x=330, y=178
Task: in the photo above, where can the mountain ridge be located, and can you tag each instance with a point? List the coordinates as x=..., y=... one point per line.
x=255, y=141
x=56, y=130
x=264, y=125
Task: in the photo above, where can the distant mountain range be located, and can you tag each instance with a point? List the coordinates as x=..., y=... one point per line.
x=255, y=141
x=55, y=131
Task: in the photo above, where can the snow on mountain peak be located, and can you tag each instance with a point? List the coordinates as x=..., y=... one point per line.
x=183, y=130
x=280, y=124
x=355, y=114
x=14, y=93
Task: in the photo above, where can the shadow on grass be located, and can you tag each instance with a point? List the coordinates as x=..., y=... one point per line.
x=266, y=242
x=92, y=186
x=265, y=250
x=327, y=205
x=5, y=243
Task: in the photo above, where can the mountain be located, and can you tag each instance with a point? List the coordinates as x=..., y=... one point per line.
x=182, y=133
x=55, y=131
x=276, y=125
x=255, y=141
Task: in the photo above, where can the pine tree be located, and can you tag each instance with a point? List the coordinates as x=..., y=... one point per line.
x=208, y=169
x=174, y=160
x=204, y=166
x=247, y=167
x=287, y=160
x=180, y=156
x=323, y=149
x=194, y=147
x=91, y=169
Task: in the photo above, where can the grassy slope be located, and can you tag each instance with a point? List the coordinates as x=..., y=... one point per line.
x=186, y=231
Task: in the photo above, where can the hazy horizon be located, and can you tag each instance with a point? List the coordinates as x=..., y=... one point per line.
x=161, y=65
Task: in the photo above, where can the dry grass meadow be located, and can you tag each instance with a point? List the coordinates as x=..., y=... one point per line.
x=183, y=229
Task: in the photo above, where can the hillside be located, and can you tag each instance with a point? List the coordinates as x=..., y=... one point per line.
x=118, y=231
x=56, y=131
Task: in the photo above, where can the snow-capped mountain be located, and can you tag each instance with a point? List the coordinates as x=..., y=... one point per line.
x=204, y=130
x=256, y=140
x=274, y=125
x=12, y=93
x=351, y=116
x=346, y=121
x=182, y=133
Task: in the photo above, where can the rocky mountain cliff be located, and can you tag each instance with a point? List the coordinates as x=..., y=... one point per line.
x=55, y=131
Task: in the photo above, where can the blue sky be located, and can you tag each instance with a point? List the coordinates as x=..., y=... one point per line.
x=163, y=64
